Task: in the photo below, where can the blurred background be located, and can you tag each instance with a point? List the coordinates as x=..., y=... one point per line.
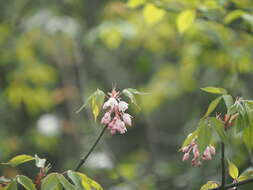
x=53, y=54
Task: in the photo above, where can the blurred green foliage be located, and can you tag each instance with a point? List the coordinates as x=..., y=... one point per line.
x=53, y=53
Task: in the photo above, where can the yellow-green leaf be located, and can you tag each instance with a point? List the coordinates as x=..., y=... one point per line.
x=135, y=3
x=233, y=170
x=185, y=19
x=100, y=97
x=233, y=15
x=86, y=182
x=152, y=14
x=214, y=90
x=209, y=185
x=242, y=177
x=95, y=109
x=20, y=159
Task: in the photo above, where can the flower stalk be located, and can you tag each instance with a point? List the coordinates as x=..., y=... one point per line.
x=83, y=160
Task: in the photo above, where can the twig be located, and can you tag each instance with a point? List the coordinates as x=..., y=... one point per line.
x=82, y=161
x=250, y=180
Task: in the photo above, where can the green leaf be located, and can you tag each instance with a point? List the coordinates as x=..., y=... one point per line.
x=228, y=101
x=218, y=126
x=185, y=19
x=246, y=174
x=51, y=182
x=248, y=137
x=100, y=98
x=233, y=15
x=130, y=95
x=204, y=135
x=78, y=180
x=20, y=159
x=212, y=106
x=233, y=170
x=214, y=90
x=189, y=138
x=12, y=186
x=209, y=185
x=135, y=91
x=26, y=182
x=88, y=101
x=65, y=183
x=152, y=14
x=96, y=101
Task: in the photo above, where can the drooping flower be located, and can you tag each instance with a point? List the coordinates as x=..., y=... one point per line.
x=207, y=154
x=186, y=156
x=123, y=106
x=197, y=158
x=120, y=126
x=127, y=118
x=212, y=150
x=112, y=102
x=115, y=107
x=106, y=118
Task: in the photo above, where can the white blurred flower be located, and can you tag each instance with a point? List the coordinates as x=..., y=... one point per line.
x=49, y=125
x=100, y=160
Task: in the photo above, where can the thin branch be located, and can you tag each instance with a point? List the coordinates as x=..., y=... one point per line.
x=82, y=161
x=250, y=180
x=223, y=167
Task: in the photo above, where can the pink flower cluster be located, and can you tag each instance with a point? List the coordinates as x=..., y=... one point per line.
x=207, y=154
x=115, y=116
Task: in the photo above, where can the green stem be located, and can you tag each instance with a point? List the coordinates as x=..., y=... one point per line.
x=83, y=160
